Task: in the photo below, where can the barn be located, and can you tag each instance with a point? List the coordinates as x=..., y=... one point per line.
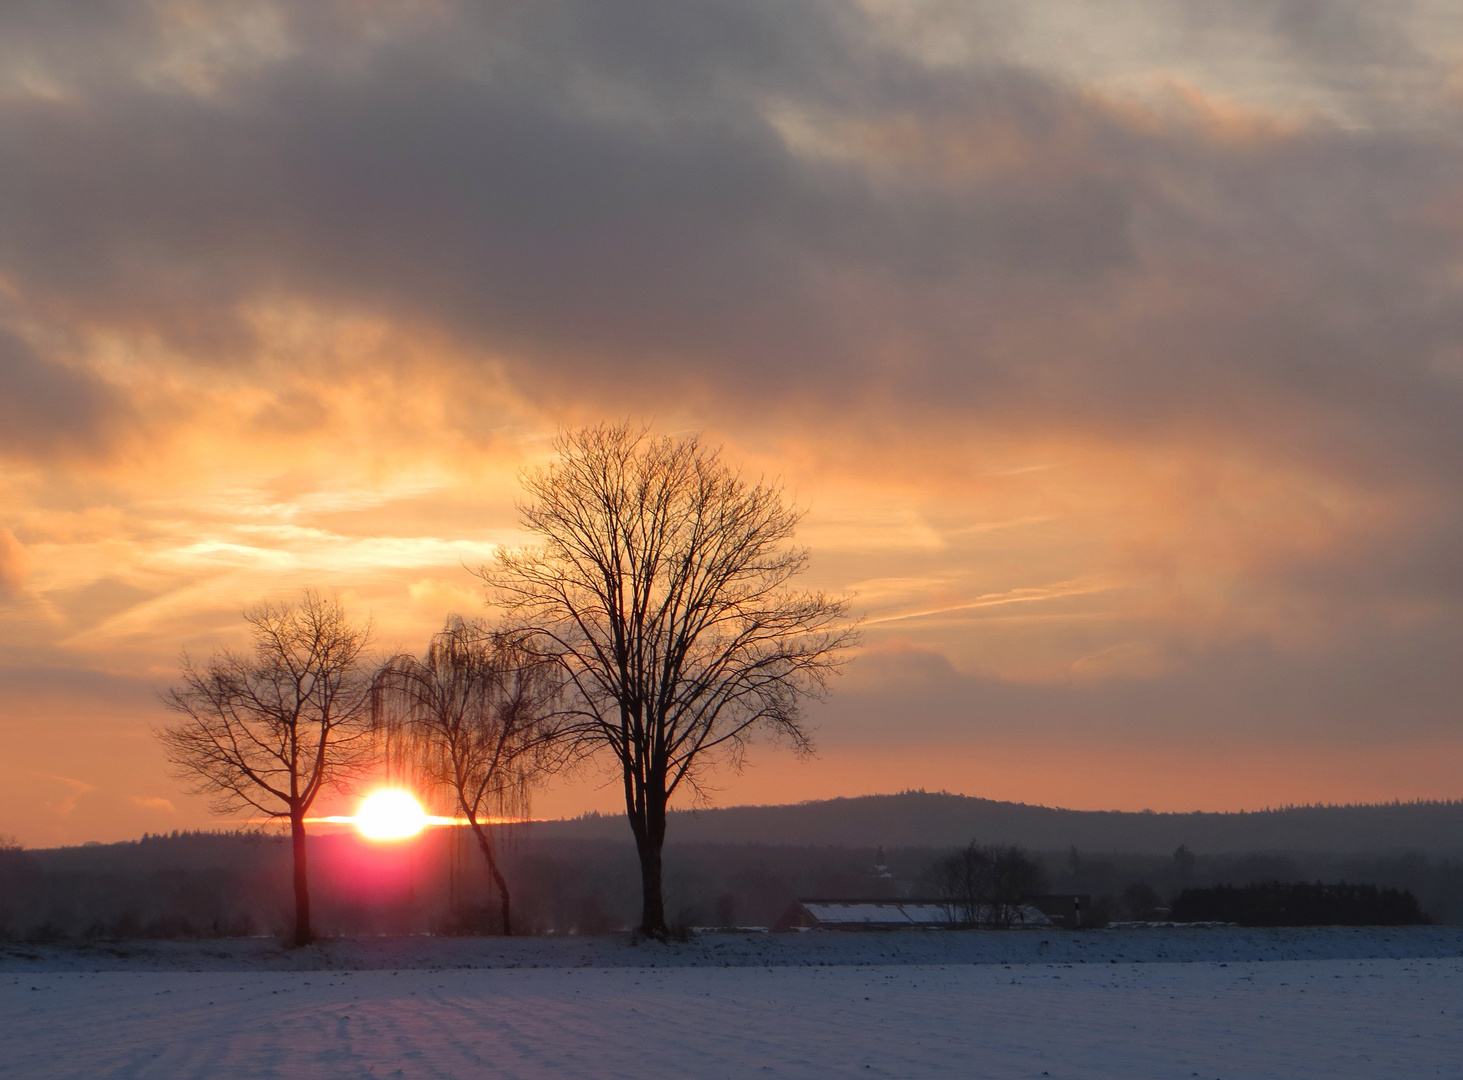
x=826, y=914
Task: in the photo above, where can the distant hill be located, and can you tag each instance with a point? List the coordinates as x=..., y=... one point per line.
x=938, y=819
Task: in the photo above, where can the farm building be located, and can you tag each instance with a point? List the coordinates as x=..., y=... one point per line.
x=883, y=915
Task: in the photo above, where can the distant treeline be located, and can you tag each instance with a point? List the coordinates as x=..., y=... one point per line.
x=1276, y=903
x=223, y=884
x=1144, y=887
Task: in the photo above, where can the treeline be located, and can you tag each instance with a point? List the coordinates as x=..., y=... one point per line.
x=1128, y=887
x=1300, y=903
x=219, y=884
x=186, y=885
x=202, y=885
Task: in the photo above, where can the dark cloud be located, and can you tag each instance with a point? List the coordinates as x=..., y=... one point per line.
x=14, y=565
x=1376, y=687
x=608, y=201
x=40, y=688
x=48, y=408
x=1350, y=40
x=574, y=189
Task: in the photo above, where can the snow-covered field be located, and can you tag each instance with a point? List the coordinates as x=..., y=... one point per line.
x=1183, y=1003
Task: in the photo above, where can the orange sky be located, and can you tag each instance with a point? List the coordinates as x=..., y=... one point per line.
x=1119, y=366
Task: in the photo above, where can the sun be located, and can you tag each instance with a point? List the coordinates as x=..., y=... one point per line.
x=391, y=815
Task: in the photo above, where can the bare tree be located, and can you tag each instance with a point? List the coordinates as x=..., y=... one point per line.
x=270, y=728
x=661, y=588
x=986, y=885
x=960, y=882
x=474, y=717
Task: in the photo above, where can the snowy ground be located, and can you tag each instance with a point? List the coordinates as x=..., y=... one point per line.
x=807, y=1006
x=1220, y=944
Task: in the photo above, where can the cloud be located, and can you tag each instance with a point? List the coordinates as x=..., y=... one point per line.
x=14, y=565
x=77, y=788
x=731, y=204
x=48, y=407
x=154, y=802
x=617, y=220
x=1371, y=689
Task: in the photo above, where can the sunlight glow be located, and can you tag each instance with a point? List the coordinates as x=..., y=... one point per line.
x=391, y=815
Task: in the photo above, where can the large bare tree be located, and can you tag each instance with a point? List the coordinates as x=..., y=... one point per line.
x=475, y=718
x=661, y=587
x=268, y=729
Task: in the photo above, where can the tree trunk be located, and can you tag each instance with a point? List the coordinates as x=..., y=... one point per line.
x=486, y=843
x=303, y=932
x=649, y=842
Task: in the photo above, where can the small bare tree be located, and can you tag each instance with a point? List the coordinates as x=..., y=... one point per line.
x=986, y=885
x=270, y=728
x=661, y=587
x=473, y=717
x=960, y=882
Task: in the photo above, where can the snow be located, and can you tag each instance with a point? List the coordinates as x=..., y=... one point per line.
x=917, y=946
x=886, y=912
x=850, y=912
x=1261, y=1004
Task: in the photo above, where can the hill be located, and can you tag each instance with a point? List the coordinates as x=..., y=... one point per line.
x=939, y=819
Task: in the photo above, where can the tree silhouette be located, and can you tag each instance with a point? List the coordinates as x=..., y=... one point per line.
x=985, y=885
x=661, y=587
x=270, y=728
x=473, y=717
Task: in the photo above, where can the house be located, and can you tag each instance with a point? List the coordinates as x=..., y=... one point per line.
x=824, y=914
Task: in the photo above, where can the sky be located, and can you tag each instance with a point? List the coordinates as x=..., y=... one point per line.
x=1114, y=351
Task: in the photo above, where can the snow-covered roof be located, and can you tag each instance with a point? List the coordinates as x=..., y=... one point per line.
x=864, y=911
x=897, y=913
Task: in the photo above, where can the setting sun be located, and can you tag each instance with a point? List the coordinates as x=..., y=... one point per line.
x=391, y=815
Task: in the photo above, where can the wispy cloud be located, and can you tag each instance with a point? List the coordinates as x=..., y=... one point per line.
x=77, y=789
x=1027, y=595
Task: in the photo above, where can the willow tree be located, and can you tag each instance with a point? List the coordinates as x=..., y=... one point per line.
x=474, y=718
x=269, y=728
x=661, y=586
